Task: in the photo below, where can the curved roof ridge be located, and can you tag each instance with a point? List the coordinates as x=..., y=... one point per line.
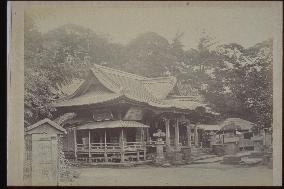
x=105, y=80
x=112, y=78
x=133, y=76
x=116, y=71
x=162, y=77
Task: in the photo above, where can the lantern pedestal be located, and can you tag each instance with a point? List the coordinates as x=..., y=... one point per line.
x=160, y=158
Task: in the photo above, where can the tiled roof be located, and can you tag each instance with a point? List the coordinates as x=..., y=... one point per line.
x=236, y=123
x=88, y=98
x=112, y=124
x=134, y=86
x=184, y=104
x=209, y=127
x=152, y=91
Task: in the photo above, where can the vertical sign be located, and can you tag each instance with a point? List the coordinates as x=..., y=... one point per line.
x=44, y=160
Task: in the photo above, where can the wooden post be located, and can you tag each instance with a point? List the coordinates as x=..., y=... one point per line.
x=195, y=136
x=101, y=140
x=188, y=129
x=147, y=135
x=105, y=154
x=142, y=135
x=177, y=135
x=89, y=144
x=167, y=124
x=75, y=143
x=122, y=146
x=144, y=144
x=138, y=154
x=147, y=131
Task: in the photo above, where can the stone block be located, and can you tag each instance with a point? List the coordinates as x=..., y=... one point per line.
x=231, y=159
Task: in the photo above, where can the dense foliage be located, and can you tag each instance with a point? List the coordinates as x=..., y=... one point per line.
x=234, y=80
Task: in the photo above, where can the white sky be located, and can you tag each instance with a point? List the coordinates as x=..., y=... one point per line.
x=244, y=25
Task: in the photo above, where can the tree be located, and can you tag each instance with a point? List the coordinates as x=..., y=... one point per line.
x=54, y=59
x=36, y=82
x=242, y=84
x=229, y=76
x=149, y=55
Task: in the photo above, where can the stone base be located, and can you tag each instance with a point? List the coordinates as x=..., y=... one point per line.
x=231, y=159
x=187, y=154
x=177, y=158
x=159, y=160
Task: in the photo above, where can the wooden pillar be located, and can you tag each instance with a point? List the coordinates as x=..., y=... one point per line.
x=147, y=135
x=105, y=154
x=188, y=135
x=138, y=154
x=156, y=124
x=122, y=146
x=75, y=144
x=195, y=136
x=142, y=135
x=168, y=139
x=177, y=135
x=89, y=143
x=144, y=143
x=101, y=140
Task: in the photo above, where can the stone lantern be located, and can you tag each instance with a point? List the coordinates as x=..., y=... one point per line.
x=159, y=146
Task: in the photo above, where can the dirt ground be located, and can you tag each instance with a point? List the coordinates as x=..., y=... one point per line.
x=212, y=174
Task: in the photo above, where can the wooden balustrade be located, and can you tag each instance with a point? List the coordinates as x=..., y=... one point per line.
x=134, y=146
x=100, y=147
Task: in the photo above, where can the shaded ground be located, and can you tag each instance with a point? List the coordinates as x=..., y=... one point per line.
x=188, y=175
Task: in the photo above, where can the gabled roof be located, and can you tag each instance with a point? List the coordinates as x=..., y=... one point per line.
x=46, y=120
x=115, y=84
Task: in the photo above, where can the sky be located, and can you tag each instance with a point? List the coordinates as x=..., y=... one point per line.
x=245, y=25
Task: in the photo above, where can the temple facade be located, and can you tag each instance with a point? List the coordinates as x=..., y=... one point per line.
x=117, y=114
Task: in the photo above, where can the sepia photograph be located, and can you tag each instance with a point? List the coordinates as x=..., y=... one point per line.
x=145, y=93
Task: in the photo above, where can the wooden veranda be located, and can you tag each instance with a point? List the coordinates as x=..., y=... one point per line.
x=107, y=141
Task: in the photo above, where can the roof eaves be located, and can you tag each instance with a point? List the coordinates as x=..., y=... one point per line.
x=83, y=104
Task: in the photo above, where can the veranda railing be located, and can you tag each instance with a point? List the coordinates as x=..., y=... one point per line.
x=111, y=146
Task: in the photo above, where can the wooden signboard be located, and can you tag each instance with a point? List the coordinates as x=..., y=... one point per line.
x=134, y=114
x=44, y=160
x=102, y=116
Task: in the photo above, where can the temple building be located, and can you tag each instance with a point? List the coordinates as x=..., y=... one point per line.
x=117, y=114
